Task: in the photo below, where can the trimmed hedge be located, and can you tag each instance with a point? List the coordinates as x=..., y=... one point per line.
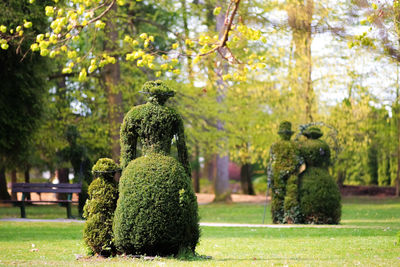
x=319, y=197
x=157, y=209
x=100, y=207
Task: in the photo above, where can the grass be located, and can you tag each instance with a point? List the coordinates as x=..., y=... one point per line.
x=58, y=243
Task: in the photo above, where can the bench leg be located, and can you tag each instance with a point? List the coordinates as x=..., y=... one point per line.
x=69, y=216
x=23, y=214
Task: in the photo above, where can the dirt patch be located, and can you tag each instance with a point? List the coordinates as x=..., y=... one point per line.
x=203, y=198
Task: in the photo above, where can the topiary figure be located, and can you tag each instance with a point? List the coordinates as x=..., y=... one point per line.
x=99, y=208
x=319, y=194
x=284, y=163
x=157, y=209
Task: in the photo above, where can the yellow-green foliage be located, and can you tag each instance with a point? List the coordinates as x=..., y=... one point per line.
x=319, y=197
x=157, y=209
x=100, y=207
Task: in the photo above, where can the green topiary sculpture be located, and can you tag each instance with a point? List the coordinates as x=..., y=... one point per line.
x=319, y=193
x=99, y=208
x=283, y=166
x=157, y=209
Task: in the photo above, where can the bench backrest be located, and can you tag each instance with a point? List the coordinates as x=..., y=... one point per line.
x=46, y=188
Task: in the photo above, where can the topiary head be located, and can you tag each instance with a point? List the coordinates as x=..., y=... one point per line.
x=105, y=168
x=285, y=130
x=158, y=91
x=313, y=133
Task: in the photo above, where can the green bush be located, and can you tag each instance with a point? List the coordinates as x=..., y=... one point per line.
x=319, y=197
x=157, y=209
x=260, y=184
x=100, y=207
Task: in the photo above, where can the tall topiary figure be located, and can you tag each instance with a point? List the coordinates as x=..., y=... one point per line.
x=283, y=166
x=157, y=209
x=99, y=208
x=319, y=193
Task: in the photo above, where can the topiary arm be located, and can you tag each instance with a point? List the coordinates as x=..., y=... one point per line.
x=128, y=140
x=182, y=149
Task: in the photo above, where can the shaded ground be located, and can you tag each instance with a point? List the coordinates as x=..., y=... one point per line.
x=370, y=190
x=203, y=198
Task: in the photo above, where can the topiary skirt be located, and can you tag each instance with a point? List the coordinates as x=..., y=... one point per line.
x=156, y=211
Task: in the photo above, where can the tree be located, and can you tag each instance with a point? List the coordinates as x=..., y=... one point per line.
x=383, y=36
x=23, y=86
x=300, y=16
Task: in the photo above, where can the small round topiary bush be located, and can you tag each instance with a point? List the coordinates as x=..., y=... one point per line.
x=100, y=207
x=319, y=197
x=157, y=209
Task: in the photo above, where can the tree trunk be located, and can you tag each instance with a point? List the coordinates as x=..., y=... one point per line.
x=27, y=180
x=4, y=195
x=112, y=76
x=63, y=174
x=221, y=183
x=341, y=176
x=196, y=170
x=208, y=170
x=13, y=181
x=300, y=15
x=245, y=179
x=396, y=110
x=398, y=153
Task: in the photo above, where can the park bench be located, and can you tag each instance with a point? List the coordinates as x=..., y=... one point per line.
x=39, y=188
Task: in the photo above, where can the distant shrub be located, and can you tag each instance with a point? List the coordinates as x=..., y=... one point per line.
x=157, y=208
x=100, y=207
x=260, y=184
x=319, y=197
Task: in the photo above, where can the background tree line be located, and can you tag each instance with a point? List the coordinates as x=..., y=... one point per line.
x=295, y=64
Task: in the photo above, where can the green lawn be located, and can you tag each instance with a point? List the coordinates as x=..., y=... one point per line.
x=369, y=239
